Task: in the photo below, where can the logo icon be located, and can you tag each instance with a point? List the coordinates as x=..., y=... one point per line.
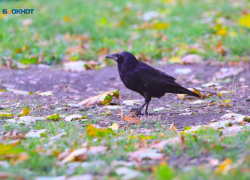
x=18, y=11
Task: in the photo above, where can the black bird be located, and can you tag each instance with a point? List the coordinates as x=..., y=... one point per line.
x=146, y=80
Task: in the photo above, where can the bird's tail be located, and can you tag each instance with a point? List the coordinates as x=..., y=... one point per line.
x=183, y=90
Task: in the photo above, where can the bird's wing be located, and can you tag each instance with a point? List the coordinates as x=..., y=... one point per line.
x=151, y=76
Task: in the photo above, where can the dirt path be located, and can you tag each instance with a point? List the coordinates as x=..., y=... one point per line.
x=72, y=87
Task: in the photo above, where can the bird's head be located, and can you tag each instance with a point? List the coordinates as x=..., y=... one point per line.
x=123, y=57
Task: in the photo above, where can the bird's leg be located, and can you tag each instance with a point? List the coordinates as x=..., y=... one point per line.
x=146, y=110
x=147, y=100
x=138, y=110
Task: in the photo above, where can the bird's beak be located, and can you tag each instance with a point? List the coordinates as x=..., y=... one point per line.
x=112, y=56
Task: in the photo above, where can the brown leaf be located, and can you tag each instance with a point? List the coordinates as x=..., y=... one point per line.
x=103, y=98
x=172, y=127
x=141, y=154
x=130, y=119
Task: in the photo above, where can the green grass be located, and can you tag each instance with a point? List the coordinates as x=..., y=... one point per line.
x=117, y=25
x=206, y=143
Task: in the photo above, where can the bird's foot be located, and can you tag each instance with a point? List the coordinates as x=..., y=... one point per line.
x=134, y=112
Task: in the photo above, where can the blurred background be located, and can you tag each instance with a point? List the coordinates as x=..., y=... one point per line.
x=154, y=30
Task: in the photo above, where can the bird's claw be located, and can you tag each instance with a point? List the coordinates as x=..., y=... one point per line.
x=134, y=112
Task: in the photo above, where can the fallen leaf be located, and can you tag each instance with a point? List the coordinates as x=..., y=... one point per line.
x=192, y=59
x=131, y=102
x=76, y=155
x=199, y=102
x=25, y=119
x=103, y=98
x=13, y=135
x=183, y=70
x=245, y=21
x=73, y=117
x=172, y=127
x=4, y=115
x=47, y=93
x=224, y=166
x=222, y=31
x=127, y=173
x=160, y=25
x=114, y=127
x=75, y=66
x=53, y=117
x=161, y=145
x=36, y=133
x=97, y=150
x=25, y=112
x=142, y=154
x=210, y=85
x=159, y=109
x=234, y=116
x=219, y=48
x=130, y=119
x=18, y=91
x=58, y=136
x=97, y=131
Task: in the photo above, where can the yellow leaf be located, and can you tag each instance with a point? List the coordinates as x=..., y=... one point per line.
x=196, y=91
x=53, y=117
x=96, y=131
x=224, y=166
x=172, y=127
x=181, y=96
x=114, y=127
x=219, y=93
x=245, y=21
x=160, y=25
x=66, y=18
x=175, y=59
x=222, y=31
x=25, y=112
x=4, y=115
x=226, y=101
x=103, y=98
x=9, y=149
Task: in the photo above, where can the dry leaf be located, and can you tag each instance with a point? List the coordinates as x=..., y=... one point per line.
x=142, y=154
x=25, y=112
x=73, y=117
x=76, y=155
x=224, y=167
x=47, y=93
x=114, y=127
x=172, y=127
x=130, y=119
x=192, y=59
x=103, y=98
x=97, y=131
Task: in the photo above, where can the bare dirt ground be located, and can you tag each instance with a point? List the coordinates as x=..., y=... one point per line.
x=73, y=87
